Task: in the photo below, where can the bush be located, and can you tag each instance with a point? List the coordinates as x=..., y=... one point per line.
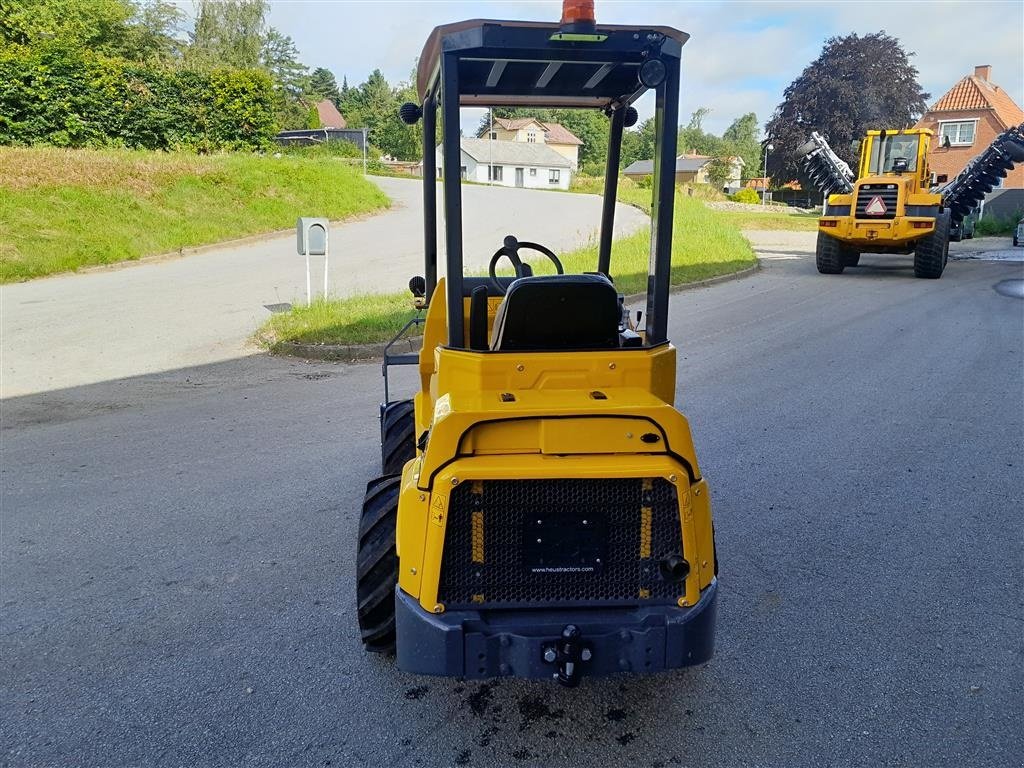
x=340, y=148
x=71, y=97
x=745, y=196
x=995, y=226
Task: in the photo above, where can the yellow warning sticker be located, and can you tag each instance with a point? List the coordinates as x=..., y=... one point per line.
x=437, y=508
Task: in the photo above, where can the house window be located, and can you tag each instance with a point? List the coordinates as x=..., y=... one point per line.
x=531, y=137
x=960, y=133
x=494, y=135
x=533, y=171
x=554, y=176
x=494, y=172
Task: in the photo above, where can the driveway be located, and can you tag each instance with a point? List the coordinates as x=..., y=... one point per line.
x=178, y=554
x=161, y=315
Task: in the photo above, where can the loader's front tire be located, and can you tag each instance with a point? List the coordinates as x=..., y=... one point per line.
x=828, y=255
x=377, y=565
x=932, y=251
x=397, y=436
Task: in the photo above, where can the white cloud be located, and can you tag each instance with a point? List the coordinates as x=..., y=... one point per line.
x=740, y=57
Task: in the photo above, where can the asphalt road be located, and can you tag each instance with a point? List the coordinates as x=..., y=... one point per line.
x=177, y=553
x=162, y=315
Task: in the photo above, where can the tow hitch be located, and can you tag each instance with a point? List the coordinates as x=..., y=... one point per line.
x=568, y=652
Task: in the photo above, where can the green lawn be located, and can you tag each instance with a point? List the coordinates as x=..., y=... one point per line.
x=64, y=209
x=804, y=222
x=705, y=244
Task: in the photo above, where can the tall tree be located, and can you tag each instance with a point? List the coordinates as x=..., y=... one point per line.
x=742, y=139
x=228, y=33
x=280, y=58
x=856, y=84
x=156, y=32
x=693, y=138
x=323, y=85
x=374, y=105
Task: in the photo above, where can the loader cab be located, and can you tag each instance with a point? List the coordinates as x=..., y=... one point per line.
x=896, y=153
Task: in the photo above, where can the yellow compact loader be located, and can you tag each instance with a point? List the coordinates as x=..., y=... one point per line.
x=895, y=205
x=541, y=512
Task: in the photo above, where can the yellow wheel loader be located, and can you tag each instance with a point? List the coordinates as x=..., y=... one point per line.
x=895, y=205
x=540, y=512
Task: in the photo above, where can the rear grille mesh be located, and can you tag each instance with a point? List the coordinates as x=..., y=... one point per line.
x=867, y=192
x=491, y=551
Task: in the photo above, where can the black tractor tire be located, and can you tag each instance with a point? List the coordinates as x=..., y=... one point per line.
x=851, y=258
x=397, y=436
x=932, y=251
x=377, y=565
x=828, y=255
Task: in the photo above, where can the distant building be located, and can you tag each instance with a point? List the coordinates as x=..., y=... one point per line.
x=691, y=169
x=512, y=164
x=329, y=115
x=966, y=120
x=528, y=130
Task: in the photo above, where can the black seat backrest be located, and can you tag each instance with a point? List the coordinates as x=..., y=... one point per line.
x=558, y=313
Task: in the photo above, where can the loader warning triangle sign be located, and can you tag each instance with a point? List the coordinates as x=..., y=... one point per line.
x=875, y=206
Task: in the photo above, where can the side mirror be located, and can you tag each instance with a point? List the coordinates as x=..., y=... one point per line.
x=946, y=143
x=418, y=287
x=855, y=147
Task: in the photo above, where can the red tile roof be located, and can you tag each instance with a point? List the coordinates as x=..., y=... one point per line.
x=329, y=115
x=555, y=133
x=973, y=93
x=559, y=134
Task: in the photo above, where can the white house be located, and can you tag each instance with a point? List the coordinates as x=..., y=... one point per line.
x=533, y=131
x=512, y=164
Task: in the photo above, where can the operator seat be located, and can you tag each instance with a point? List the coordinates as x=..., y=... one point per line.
x=558, y=313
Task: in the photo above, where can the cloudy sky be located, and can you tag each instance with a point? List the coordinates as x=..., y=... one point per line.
x=740, y=57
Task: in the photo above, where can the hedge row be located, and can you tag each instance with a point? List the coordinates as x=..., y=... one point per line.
x=70, y=97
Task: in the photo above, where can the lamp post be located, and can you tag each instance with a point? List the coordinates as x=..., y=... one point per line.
x=764, y=190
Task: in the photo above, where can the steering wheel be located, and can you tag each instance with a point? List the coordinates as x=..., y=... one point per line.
x=511, y=250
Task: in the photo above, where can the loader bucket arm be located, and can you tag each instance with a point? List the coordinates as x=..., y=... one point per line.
x=982, y=174
x=825, y=168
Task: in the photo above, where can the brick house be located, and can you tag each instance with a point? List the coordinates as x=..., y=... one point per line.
x=966, y=120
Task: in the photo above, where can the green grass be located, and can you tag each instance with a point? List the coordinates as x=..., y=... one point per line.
x=801, y=222
x=61, y=210
x=705, y=244
x=354, y=320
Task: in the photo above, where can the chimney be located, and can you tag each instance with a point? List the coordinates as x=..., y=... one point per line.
x=983, y=71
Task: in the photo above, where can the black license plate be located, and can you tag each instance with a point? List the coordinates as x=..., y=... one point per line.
x=564, y=543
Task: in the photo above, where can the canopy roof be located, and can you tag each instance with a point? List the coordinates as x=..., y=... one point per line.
x=517, y=63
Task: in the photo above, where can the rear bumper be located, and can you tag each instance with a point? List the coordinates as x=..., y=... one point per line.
x=511, y=643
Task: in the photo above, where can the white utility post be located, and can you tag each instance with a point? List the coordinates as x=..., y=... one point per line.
x=312, y=237
x=764, y=169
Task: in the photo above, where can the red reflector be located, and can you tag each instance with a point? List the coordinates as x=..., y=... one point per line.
x=922, y=224
x=827, y=223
